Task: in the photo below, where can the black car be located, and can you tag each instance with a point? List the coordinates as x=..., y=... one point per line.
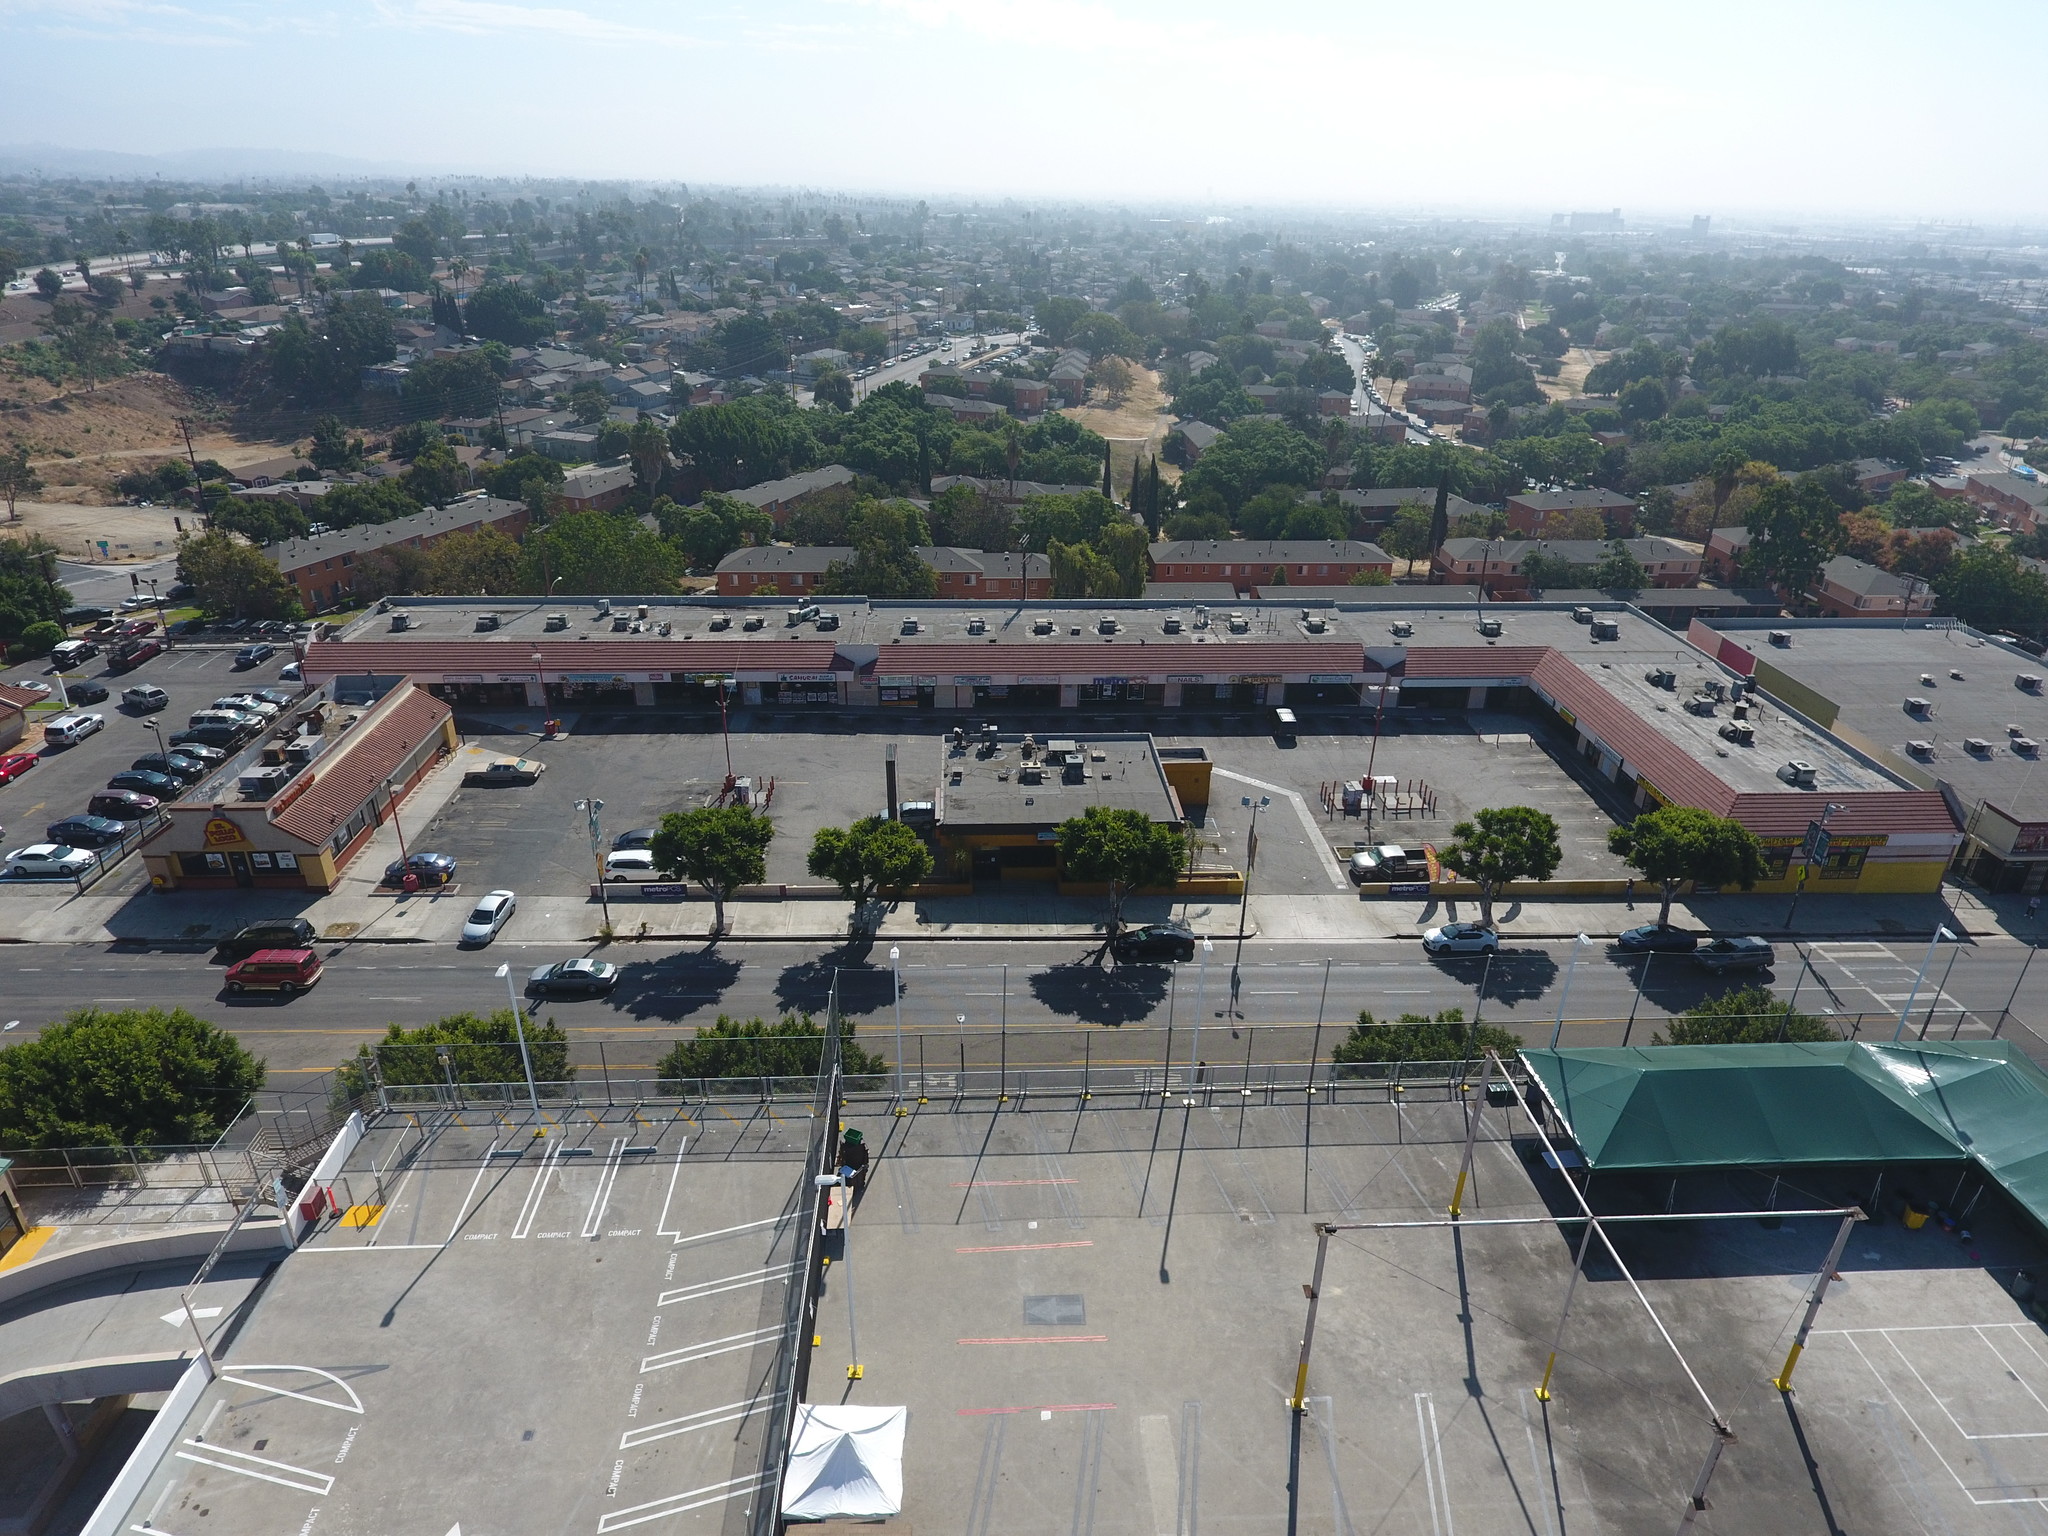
x=187, y=627
x=86, y=615
x=143, y=782
x=432, y=868
x=174, y=765
x=574, y=978
x=1154, y=941
x=271, y=933
x=208, y=757
x=1659, y=937
x=639, y=837
x=85, y=831
x=86, y=693
x=215, y=736
x=251, y=655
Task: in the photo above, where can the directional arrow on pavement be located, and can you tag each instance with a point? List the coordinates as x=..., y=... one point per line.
x=175, y=1318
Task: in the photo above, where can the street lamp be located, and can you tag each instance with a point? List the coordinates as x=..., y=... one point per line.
x=590, y=808
x=1565, y=991
x=519, y=1031
x=724, y=722
x=1799, y=888
x=1912, y=997
x=896, y=991
x=1251, y=855
x=1195, y=1051
x=405, y=872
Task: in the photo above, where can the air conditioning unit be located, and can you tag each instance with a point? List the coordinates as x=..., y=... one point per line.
x=1916, y=705
x=1976, y=746
x=1926, y=679
x=2028, y=682
x=1489, y=627
x=1606, y=629
x=1920, y=748
x=2026, y=746
x=1800, y=773
x=1781, y=638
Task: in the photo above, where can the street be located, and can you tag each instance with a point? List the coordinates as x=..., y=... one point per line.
x=1038, y=994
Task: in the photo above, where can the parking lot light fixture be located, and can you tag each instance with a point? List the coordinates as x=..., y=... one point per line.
x=391, y=805
x=896, y=991
x=519, y=1032
x=590, y=809
x=1578, y=945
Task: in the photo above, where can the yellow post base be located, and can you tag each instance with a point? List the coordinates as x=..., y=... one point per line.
x=854, y=1373
x=901, y=1111
x=1542, y=1394
x=1783, y=1380
x=1543, y=1387
x=1299, y=1402
x=817, y=1341
x=1458, y=1195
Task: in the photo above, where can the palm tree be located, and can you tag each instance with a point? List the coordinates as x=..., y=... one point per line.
x=245, y=237
x=640, y=263
x=457, y=270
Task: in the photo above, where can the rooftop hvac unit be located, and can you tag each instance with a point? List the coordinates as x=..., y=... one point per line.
x=1920, y=748
x=1915, y=705
x=1781, y=638
x=262, y=783
x=1799, y=773
x=1606, y=629
x=1489, y=627
x=2028, y=682
x=1976, y=746
x=2026, y=746
x=1926, y=679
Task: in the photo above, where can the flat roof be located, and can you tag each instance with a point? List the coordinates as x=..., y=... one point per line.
x=984, y=790
x=1867, y=671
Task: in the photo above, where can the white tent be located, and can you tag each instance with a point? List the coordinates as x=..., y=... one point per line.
x=845, y=1459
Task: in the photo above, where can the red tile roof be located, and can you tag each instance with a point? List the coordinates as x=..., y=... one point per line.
x=1863, y=811
x=348, y=773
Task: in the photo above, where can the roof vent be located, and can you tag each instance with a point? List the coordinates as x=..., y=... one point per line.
x=1606, y=629
x=1926, y=679
x=1976, y=746
x=1920, y=748
x=1781, y=638
x=1915, y=705
x=1955, y=675
x=2026, y=746
x=1800, y=773
x=2028, y=682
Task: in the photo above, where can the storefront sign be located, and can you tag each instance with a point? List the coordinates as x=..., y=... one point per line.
x=1571, y=719
x=518, y=677
x=1256, y=678
x=1409, y=888
x=1187, y=677
x=591, y=677
x=805, y=677
x=1334, y=677
x=907, y=682
x=220, y=832
x=2031, y=837
x=1038, y=679
x=462, y=677
x=1118, y=682
x=961, y=680
x=1658, y=795
x=664, y=892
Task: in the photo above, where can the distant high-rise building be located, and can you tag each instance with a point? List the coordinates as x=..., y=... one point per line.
x=1701, y=224
x=1611, y=220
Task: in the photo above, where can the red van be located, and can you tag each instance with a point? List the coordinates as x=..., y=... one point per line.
x=275, y=970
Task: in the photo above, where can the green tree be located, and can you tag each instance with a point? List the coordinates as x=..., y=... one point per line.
x=792, y=1046
x=481, y=564
x=1987, y=588
x=481, y=1049
x=261, y=522
x=1676, y=843
x=1251, y=456
x=872, y=858
x=370, y=502
x=1794, y=529
x=1123, y=849
x=1407, y=535
x=49, y=284
x=1081, y=570
x=500, y=311
x=1512, y=842
x=1619, y=571
x=1418, y=1037
x=84, y=339
x=647, y=447
x=17, y=479
x=721, y=847
x=1545, y=570
x=1642, y=401
x=333, y=448
x=1124, y=548
x=436, y=477
x=1059, y=315
x=1751, y=1016
x=833, y=388
x=136, y=1077
x=39, y=639
x=885, y=563
x=234, y=579
x=599, y=552
x=526, y=476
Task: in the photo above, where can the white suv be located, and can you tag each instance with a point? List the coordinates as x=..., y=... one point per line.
x=66, y=730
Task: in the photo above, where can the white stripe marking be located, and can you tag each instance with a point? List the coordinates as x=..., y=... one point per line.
x=718, y=1287
x=726, y=1414
x=674, y=1504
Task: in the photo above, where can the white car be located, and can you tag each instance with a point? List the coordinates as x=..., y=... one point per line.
x=491, y=914
x=67, y=730
x=248, y=704
x=629, y=864
x=290, y=672
x=30, y=685
x=50, y=859
x=1461, y=939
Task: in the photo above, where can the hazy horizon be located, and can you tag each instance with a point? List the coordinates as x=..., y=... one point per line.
x=1825, y=111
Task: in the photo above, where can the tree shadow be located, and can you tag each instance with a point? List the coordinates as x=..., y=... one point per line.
x=1512, y=976
x=1093, y=994
x=674, y=986
x=806, y=987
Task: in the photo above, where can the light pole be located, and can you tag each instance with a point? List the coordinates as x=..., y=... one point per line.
x=854, y=1372
x=724, y=723
x=405, y=871
x=1195, y=1051
x=896, y=992
x=1251, y=857
x=590, y=808
x=1799, y=887
x=2032, y=948
x=1912, y=997
x=519, y=1031
x=1565, y=991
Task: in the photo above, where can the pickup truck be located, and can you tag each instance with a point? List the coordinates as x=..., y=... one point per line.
x=1384, y=861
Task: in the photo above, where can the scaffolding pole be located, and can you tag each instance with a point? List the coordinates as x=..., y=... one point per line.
x=1314, y=1291
x=1783, y=1380
x=1478, y=1108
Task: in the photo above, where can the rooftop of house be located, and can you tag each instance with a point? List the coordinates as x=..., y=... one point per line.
x=1566, y=501
x=1279, y=551
x=297, y=554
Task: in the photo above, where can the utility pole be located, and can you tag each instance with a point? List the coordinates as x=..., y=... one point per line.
x=198, y=485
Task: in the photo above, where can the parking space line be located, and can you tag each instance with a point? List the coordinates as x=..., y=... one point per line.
x=708, y=1418
x=530, y=1209
x=602, y=1199
x=316, y=1482
x=690, y=1354
x=705, y=1288
x=698, y=1498
x=745, y=1226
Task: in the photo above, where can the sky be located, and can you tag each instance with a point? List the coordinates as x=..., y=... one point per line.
x=1857, y=108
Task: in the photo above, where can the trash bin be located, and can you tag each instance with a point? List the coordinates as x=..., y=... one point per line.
x=1500, y=1095
x=1915, y=1218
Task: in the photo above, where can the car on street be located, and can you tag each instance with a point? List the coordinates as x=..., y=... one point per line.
x=48, y=859
x=85, y=831
x=432, y=868
x=122, y=805
x=271, y=933
x=15, y=764
x=1735, y=954
x=284, y=971
x=1661, y=938
x=1461, y=939
x=1154, y=941
x=489, y=915
x=253, y=655
x=574, y=978
x=68, y=730
x=86, y=692
x=638, y=837
x=143, y=782
x=507, y=770
x=629, y=864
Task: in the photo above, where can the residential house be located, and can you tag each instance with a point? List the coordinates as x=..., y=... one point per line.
x=1371, y=511
x=1333, y=402
x=567, y=447
x=792, y=570
x=777, y=497
x=1724, y=552
x=322, y=569
x=1030, y=397
x=1530, y=512
x=1196, y=438
x=1251, y=564
x=2021, y=504
x=1874, y=477
x=996, y=489
x=977, y=412
x=1497, y=563
x=1852, y=588
x=1440, y=381
x=597, y=487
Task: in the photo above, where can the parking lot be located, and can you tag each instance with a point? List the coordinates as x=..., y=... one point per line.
x=65, y=778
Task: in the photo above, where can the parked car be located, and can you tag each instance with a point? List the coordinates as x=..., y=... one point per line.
x=490, y=914
x=32, y=685
x=639, y=837
x=248, y=704
x=1732, y=954
x=144, y=698
x=1661, y=937
x=284, y=971
x=68, y=730
x=176, y=765
x=143, y=782
x=216, y=736
x=85, y=831
x=87, y=692
x=629, y=864
x=1461, y=939
x=1154, y=941
x=506, y=770
x=133, y=653
x=15, y=764
x=432, y=868
x=271, y=933
x=290, y=672
x=253, y=655
x=210, y=757
x=50, y=859
x=1384, y=861
x=123, y=804
x=574, y=978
